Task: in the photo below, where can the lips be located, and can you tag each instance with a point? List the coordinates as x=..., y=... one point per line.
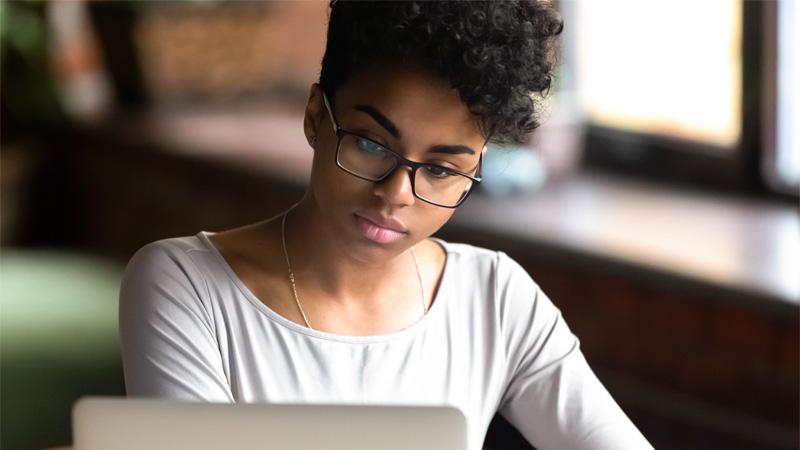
x=380, y=229
x=383, y=222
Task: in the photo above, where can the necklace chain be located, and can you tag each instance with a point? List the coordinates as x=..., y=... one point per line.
x=294, y=285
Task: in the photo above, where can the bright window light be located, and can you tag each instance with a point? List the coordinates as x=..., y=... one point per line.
x=788, y=137
x=661, y=67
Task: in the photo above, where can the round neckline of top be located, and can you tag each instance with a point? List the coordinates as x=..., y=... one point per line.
x=435, y=309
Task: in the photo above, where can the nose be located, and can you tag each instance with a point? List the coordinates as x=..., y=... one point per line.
x=396, y=188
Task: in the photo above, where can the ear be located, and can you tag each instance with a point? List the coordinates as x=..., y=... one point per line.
x=314, y=114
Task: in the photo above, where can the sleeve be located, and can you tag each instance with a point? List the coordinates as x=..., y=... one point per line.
x=552, y=397
x=169, y=348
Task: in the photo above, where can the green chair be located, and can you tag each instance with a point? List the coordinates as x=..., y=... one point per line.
x=58, y=341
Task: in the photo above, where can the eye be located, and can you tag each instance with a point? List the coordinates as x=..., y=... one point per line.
x=368, y=146
x=438, y=172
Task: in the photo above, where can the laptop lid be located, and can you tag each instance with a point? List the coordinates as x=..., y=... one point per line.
x=107, y=423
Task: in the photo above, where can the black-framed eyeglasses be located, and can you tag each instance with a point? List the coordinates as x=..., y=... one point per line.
x=371, y=161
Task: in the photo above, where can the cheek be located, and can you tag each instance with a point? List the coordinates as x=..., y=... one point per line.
x=431, y=218
x=331, y=185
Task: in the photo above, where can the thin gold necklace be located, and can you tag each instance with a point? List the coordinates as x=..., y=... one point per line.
x=294, y=286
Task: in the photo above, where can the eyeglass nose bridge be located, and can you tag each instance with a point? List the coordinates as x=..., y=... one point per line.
x=400, y=162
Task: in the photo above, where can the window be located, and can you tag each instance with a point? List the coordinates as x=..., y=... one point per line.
x=783, y=162
x=657, y=67
x=675, y=90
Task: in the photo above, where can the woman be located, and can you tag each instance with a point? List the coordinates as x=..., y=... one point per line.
x=345, y=297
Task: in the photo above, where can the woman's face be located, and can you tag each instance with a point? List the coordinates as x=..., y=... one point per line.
x=413, y=113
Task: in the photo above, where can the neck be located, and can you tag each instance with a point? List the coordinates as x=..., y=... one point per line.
x=325, y=266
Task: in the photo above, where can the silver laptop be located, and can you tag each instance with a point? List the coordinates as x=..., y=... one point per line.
x=138, y=424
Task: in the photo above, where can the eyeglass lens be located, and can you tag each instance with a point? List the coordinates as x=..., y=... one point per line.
x=366, y=159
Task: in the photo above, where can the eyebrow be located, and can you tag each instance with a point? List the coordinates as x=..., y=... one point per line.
x=382, y=120
x=386, y=123
x=452, y=149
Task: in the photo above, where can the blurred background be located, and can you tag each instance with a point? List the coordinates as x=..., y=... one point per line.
x=657, y=205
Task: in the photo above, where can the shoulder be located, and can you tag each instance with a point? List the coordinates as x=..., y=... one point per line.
x=167, y=268
x=487, y=266
x=501, y=288
x=169, y=254
x=469, y=257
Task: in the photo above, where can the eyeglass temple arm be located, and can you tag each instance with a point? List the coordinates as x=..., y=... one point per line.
x=330, y=112
x=479, y=172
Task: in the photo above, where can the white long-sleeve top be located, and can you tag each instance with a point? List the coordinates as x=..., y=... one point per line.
x=491, y=341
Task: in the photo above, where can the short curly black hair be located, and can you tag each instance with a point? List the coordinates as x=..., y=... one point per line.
x=497, y=54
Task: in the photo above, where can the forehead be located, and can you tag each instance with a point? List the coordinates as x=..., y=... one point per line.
x=421, y=105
